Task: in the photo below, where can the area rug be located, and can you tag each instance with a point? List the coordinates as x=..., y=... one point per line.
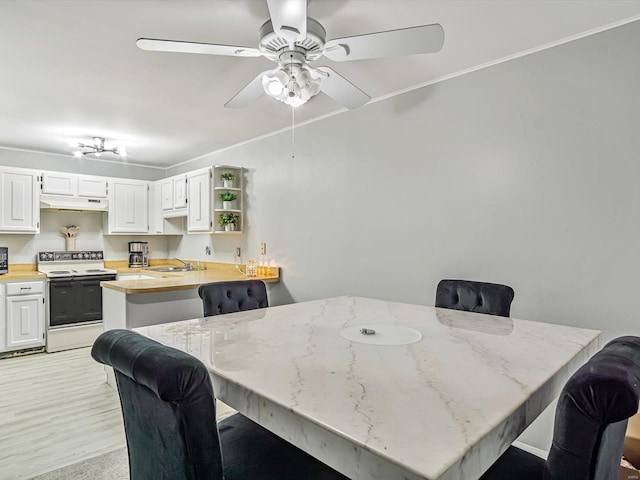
x=108, y=466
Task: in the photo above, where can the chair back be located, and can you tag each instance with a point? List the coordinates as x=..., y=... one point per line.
x=168, y=408
x=229, y=297
x=592, y=412
x=479, y=297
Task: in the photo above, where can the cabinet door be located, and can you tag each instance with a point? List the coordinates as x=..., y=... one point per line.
x=180, y=191
x=128, y=209
x=20, y=205
x=156, y=221
x=199, y=206
x=166, y=187
x=25, y=321
x=55, y=183
x=95, y=187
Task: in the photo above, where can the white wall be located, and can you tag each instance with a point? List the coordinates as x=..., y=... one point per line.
x=23, y=248
x=525, y=173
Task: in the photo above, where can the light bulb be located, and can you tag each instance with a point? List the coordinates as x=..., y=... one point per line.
x=97, y=154
x=275, y=87
x=122, y=151
x=77, y=154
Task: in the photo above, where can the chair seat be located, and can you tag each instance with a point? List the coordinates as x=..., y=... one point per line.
x=249, y=451
x=516, y=464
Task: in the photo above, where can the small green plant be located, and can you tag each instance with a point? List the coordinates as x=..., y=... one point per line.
x=227, y=196
x=228, y=218
x=227, y=175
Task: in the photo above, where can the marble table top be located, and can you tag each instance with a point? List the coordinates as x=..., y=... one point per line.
x=443, y=407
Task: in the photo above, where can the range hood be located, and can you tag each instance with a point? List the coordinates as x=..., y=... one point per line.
x=79, y=204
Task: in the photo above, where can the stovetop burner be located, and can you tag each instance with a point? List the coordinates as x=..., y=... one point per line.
x=72, y=264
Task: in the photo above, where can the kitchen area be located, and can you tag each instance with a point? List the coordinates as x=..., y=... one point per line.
x=79, y=249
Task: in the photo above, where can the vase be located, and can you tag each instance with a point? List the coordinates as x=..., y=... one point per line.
x=70, y=244
x=230, y=227
x=227, y=183
x=227, y=205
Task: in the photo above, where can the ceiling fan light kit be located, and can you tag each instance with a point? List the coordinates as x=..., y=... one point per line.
x=97, y=148
x=292, y=39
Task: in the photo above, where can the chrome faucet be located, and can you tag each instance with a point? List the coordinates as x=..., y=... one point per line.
x=187, y=265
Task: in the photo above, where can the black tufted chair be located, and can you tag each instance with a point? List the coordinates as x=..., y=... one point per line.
x=590, y=424
x=479, y=297
x=229, y=297
x=170, y=420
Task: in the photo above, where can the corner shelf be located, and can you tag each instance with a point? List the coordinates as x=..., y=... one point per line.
x=238, y=189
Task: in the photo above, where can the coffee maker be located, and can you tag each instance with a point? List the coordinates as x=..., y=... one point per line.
x=138, y=254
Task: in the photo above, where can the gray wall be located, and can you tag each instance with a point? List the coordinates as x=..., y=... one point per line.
x=61, y=163
x=523, y=173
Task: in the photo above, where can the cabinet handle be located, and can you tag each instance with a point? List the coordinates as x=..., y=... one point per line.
x=25, y=288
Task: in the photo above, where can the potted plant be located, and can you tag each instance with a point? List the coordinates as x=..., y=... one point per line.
x=229, y=221
x=227, y=199
x=227, y=178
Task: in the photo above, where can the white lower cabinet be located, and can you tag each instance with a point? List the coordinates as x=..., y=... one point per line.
x=23, y=315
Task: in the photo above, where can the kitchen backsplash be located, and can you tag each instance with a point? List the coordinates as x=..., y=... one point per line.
x=23, y=248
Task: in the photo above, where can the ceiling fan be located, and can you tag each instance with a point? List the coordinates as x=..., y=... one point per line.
x=292, y=40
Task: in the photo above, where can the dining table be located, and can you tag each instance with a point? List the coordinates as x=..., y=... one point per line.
x=385, y=390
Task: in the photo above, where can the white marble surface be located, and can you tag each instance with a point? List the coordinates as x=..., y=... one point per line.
x=442, y=408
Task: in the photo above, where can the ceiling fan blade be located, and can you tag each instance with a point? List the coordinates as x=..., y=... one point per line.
x=250, y=92
x=405, y=41
x=289, y=18
x=158, y=45
x=341, y=89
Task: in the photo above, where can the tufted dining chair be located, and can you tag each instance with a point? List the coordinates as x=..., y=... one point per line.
x=590, y=423
x=229, y=297
x=479, y=297
x=169, y=412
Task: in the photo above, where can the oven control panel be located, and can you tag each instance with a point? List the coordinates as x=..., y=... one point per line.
x=69, y=256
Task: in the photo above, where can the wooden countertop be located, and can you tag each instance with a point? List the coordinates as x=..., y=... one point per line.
x=171, y=281
x=22, y=271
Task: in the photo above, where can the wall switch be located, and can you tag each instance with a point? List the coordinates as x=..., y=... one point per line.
x=263, y=248
x=238, y=252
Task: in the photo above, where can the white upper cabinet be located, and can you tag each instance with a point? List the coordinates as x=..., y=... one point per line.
x=174, y=196
x=180, y=191
x=20, y=210
x=90, y=186
x=158, y=224
x=166, y=189
x=55, y=183
x=72, y=185
x=128, y=206
x=199, y=204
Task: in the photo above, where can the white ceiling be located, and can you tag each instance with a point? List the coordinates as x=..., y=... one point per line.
x=70, y=69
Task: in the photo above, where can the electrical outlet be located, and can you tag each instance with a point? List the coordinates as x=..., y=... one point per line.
x=263, y=248
x=207, y=250
x=238, y=252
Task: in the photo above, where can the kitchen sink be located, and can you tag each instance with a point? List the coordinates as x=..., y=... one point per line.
x=169, y=269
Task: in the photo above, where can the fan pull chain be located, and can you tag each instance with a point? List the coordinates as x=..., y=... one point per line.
x=293, y=132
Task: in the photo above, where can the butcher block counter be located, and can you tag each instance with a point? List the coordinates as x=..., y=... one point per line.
x=172, y=281
x=168, y=296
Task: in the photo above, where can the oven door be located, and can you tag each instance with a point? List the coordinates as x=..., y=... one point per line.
x=75, y=300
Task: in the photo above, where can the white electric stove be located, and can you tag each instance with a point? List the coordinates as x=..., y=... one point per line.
x=73, y=297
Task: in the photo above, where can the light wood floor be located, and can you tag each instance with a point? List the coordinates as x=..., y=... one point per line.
x=55, y=410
